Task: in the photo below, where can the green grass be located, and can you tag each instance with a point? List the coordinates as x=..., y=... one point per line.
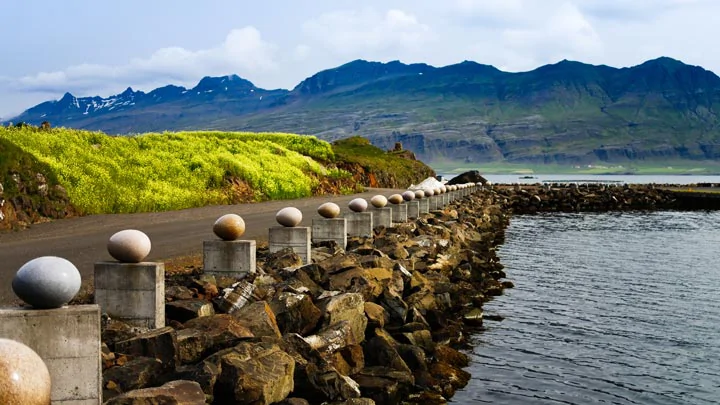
x=169, y=171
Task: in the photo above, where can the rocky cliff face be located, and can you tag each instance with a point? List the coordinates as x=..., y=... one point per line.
x=28, y=192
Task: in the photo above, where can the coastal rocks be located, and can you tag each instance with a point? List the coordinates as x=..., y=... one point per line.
x=364, y=324
x=257, y=373
x=47, y=282
x=129, y=246
x=229, y=227
x=329, y=210
x=289, y=217
x=175, y=392
x=24, y=377
x=378, y=201
x=358, y=205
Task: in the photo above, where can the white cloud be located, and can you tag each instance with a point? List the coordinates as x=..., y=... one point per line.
x=368, y=33
x=243, y=52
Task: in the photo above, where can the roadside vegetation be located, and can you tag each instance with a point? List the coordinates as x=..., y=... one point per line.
x=173, y=170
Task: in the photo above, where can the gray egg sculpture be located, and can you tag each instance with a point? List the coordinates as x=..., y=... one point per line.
x=24, y=376
x=47, y=282
x=379, y=201
x=329, y=210
x=396, y=199
x=408, y=195
x=419, y=194
x=129, y=246
x=289, y=217
x=358, y=205
x=229, y=227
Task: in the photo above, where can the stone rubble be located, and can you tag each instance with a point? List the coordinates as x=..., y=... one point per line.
x=380, y=322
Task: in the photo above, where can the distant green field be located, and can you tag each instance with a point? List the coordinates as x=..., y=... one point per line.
x=657, y=168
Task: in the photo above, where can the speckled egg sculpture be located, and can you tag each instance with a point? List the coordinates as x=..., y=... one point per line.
x=429, y=192
x=229, y=227
x=419, y=194
x=396, y=199
x=379, y=201
x=358, y=205
x=329, y=210
x=129, y=246
x=24, y=377
x=289, y=217
x=47, y=282
x=408, y=195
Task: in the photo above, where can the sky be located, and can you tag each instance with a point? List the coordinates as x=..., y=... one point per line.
x=91, y=48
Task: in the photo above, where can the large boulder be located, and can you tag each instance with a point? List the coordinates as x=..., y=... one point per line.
x=173, y=393
x=472, y=176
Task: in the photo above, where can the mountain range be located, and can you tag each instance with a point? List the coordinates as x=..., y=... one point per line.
x=565, y=113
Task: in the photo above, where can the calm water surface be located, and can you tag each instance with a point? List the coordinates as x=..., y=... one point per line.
x=607, y=309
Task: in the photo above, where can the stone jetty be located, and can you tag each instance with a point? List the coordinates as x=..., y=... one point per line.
x=382, y=321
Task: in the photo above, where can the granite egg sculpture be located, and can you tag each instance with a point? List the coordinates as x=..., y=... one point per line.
x=419, y=194
x=396, y=199
x=47, y=282
x=129, y=246
x=24, y=377
x=358, y=205
x=289, y=217
x=408, y=195
x=379, y=201
x=329, y=210
x=229, y=227
x=429, y=192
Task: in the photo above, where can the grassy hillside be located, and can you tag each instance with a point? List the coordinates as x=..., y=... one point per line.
x=155, y=172
x=54, y=173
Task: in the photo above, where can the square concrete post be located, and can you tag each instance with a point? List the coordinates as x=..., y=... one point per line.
x=433, y=205
x=132, y=292
x=296, y=237
x=330, y=229
x=383, y=216
x=400, y=213
x=413, y=210
x=360, y=224
x=68, y=341
x=230, y=258
x=424, y=205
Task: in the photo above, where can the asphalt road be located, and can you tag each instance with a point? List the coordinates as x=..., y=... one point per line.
x=83, y=240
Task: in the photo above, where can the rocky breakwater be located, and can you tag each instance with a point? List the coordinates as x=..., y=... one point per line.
x=572, y=197
x=379, y=322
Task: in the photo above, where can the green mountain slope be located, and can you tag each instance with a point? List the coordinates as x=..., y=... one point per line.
x=566, y=113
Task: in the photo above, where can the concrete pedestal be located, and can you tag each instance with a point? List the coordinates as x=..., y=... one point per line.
x=68, y=341
x=399, y=213
x=132, y=292
x=424, y=205
x=230, y=258
x=413, y=209
x=383, y=216
x=297, y=238
x=330, y=229
x=434, y=202
x=360, y=224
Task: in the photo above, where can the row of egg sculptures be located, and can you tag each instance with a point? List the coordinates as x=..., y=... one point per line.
x=24, y=376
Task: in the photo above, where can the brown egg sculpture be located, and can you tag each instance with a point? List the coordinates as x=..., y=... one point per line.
x=329, y=210
x=229, y=227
